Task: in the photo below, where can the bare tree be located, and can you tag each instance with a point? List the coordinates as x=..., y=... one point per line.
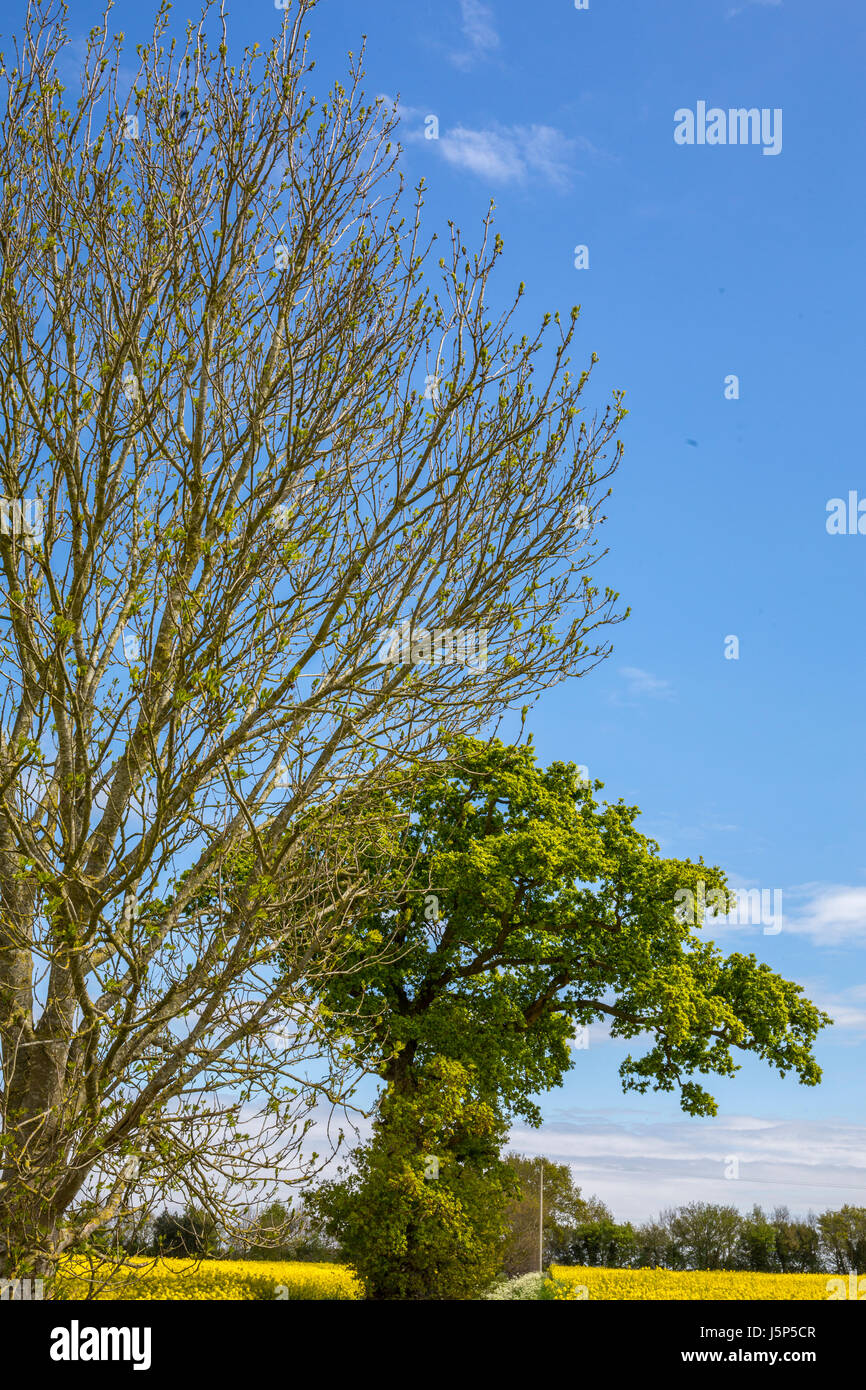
x=281, y=517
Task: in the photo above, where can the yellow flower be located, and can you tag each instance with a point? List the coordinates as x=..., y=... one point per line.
x=570, y=1283
x=148, y=1279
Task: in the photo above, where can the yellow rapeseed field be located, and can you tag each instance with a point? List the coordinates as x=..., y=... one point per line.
x=268, y=1280
x=574, y=1283
x=207, y=1280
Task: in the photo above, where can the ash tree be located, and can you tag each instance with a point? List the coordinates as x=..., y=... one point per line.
x=249, y=421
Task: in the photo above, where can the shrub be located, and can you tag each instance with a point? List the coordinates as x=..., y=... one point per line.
x=524, y=1288
x=410, y=1232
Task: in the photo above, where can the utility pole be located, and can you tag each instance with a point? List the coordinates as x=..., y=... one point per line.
x=541, y=1221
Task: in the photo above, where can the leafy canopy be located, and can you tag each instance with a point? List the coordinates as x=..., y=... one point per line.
x=424, y=1214
x=523, y=907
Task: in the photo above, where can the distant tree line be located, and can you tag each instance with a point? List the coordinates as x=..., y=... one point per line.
x=696, y=1235
x=576, y=1230
x=274, y=1232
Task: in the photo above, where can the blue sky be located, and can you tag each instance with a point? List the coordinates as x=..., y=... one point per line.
x=704, y=261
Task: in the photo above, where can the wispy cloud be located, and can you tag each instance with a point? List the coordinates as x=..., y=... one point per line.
x=511, y=154
x=829, y=914
x=846, y=1007
x=643, y=684
x=490, y=154
x=738, y=9
x=479, y=30
x=638, y=1165
x=832, y=915
x=498, y=153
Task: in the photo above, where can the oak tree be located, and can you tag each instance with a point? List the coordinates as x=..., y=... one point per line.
x=525, y=910
x=529, y=910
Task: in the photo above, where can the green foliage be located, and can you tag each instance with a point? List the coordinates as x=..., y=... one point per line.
x=843, y=1234
x=521, y=908
x=706, y=1235
x=564, y=1209
x=192, y=1232
x=410, y=1234
x=278, y=1233
x=602, y=1242
x=655, y=1247
x=756, y=1248
x=798, y=1244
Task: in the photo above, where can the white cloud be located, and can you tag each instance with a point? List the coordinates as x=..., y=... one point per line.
x=845, y=1014
x=831, y=914
x=483, y=152
x=638, y=1165
x=516, y=154
x=479, y=30
x=545, y=151
x=645, y=683
x=510, y=154
x=846, y=1007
